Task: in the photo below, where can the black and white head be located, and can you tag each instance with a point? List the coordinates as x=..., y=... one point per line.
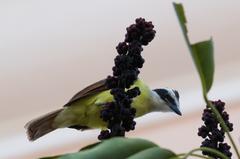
x=169, y=100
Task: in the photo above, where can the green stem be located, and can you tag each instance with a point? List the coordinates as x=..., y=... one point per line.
x=222, y=123
x=195, y=155
x=201, y=156
x=216, y=152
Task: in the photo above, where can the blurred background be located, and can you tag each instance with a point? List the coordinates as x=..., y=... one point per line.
x=51, y=49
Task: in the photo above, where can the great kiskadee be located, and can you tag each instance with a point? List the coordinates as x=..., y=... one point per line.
x=83, y=109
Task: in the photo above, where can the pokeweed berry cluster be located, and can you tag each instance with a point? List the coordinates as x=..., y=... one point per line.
x=119, y=114
x=212, y=132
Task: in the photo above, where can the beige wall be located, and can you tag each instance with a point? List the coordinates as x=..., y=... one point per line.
x=51, y=49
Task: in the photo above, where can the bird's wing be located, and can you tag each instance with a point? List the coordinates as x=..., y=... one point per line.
x=90, y=90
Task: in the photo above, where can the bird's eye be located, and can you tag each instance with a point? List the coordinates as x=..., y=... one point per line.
x=167, y=97
x=176, y=93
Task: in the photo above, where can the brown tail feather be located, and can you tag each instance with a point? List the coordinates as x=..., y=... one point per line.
x=41, y=125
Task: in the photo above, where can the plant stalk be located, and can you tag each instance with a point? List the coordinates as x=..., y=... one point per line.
x=195, y=155
x=216, y=152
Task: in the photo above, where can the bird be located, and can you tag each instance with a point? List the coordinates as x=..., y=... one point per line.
x=82, y=111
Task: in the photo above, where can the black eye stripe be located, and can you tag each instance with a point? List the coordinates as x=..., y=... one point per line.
x=176, y=93
x=169, y=99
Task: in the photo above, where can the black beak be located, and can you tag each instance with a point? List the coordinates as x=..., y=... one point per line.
x=175, y=109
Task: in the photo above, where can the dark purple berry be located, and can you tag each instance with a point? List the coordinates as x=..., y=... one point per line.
x=212, y=131
x=122, y=48
x=203, y=131
x=119, y=114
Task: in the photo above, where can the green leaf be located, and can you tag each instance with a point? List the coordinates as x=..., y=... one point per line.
x=181, y=18
x=202, y=52
x=153, y=153
x=205, y=63
x=90, y=146
x=120, y=148
x=52, y=157
x=117, y=148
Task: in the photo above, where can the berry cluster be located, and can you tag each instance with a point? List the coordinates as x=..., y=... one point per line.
x=212, y=131
x=119, y=114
